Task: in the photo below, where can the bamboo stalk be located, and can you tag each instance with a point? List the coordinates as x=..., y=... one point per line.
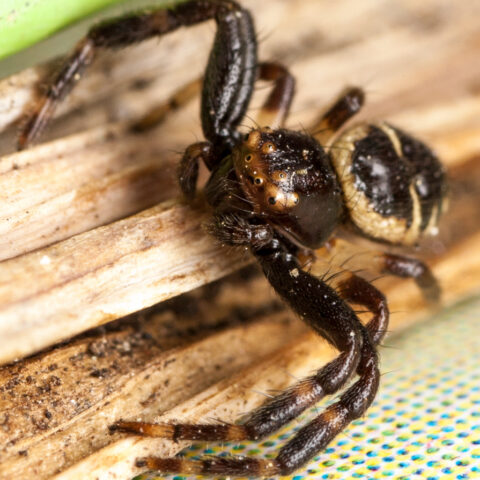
x=104, y=274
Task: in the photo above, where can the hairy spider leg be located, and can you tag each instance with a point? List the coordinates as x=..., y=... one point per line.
x=229, y=76
x=325, y=311
x=407, y=267
x=355, y=289
x=44, y=108
x=273, y=113
x=187, y=170
x=347, y=104
x=391, y=264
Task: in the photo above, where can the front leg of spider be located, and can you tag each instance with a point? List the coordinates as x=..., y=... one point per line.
x=229, y=77
x=331, y=317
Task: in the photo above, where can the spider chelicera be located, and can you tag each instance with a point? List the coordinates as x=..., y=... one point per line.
x=281, y=193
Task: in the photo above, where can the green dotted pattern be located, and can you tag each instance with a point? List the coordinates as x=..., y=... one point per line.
x=425, y=423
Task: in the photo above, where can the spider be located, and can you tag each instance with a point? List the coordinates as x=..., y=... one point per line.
x=282, y=193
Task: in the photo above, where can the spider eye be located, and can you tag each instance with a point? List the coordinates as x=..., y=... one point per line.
x=280, y=176
x=245, y=137
x=248, y=158
x=258, y=181
x=272, y=201
x=268, y=147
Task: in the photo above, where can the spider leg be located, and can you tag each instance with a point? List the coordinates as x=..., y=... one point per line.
x=269, y=417
x=187, y=171
x=397, y=265
x=277, y=105
x=348, y=104
x=273, y=112
x=352, y=404
x=331, y=317
x=229, y=76
x=81, y=57
x=407, y=267
x=353, y=288
x=307, y=442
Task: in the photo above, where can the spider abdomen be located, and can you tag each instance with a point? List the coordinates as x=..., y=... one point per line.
x=393, y=184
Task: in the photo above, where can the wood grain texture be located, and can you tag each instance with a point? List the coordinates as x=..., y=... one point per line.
x=150, y=364
x=85, y=241
x=66, y=190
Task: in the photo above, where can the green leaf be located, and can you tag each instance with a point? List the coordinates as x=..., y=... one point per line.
x=25, y=22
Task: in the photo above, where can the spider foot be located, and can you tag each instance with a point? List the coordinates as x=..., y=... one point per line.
x=235, y=466
x=184, y=431
x=162, y=430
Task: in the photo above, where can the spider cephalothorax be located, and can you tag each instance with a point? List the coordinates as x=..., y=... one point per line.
x=288, y=179
x=282, y=193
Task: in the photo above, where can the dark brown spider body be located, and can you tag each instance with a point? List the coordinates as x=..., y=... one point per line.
x=393, y=186
x=282, y=193
x=288, y=179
